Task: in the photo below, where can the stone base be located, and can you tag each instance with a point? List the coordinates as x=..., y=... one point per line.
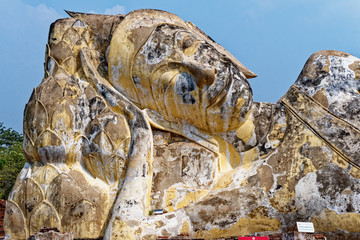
x=340, y=235
x=298, y=236
x=51, y=234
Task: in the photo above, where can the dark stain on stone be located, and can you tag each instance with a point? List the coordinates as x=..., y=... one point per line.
x=261, y=211
x=159, y=151
x=332, y=181
x=185, y=84
x=170, y=216
x=320, y=96
x=136, y=80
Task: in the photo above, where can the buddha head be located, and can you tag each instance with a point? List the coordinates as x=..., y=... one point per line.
x=162, y=63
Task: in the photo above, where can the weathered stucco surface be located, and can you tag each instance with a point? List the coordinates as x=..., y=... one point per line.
x=144, y=111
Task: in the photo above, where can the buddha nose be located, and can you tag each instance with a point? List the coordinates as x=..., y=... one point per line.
x=203, y=75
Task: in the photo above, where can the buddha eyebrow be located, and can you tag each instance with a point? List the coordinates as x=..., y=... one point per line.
x=179, y=35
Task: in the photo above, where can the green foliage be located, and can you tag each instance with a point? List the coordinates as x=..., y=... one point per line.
x=8, y=137
x=12, y=159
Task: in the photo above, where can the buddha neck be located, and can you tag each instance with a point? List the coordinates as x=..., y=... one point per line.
x=261, y=133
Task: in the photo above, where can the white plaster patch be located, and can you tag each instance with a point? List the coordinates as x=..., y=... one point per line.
x=242, y=173
x=25, y=172
x=79, y=24
x=152, y=53
x=116, y=70
x=173, y=223
x=355, y=198
x=50, y=66
x=308, y=199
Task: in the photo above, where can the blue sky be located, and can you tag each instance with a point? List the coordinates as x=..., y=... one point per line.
x=273, y=38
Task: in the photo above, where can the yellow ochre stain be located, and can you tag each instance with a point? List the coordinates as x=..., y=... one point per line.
x=228, y=156
x=250, y=156
x=191, y=197
x=243, y=226
x=331, y=221
x=224, y=181
x=169, y=196
x=245, y=132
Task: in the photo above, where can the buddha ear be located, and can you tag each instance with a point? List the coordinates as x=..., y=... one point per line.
x=248, y=74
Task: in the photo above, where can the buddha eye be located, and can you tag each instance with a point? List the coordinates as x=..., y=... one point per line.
x=185, y=39
x=187, y=42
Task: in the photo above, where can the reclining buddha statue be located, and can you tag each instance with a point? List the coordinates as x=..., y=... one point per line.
x=144, y=111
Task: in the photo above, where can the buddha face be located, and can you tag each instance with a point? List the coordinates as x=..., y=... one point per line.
x=171, y=67
x=184, y=77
